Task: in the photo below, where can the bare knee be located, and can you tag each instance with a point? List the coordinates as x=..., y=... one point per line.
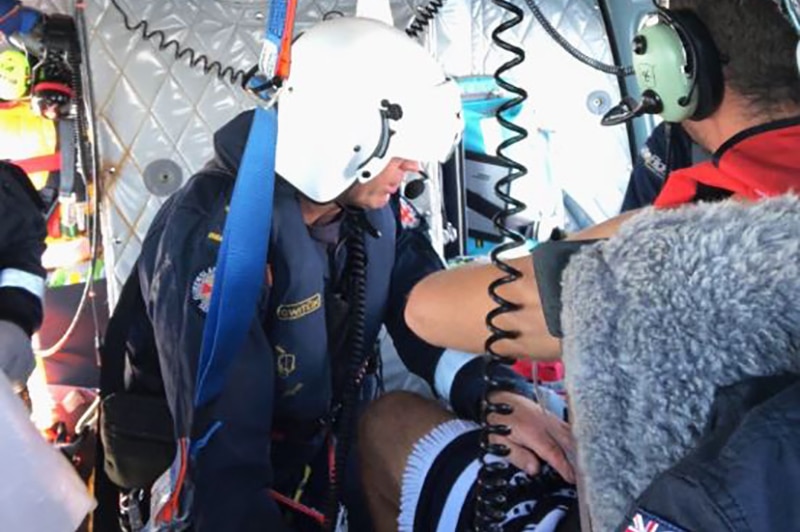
x=399, y=419
x=384, y=412
x=388, y=431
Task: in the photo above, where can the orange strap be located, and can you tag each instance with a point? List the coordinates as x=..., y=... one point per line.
x=172, y=509
x=298, y=507
x=41, y=163
x=285, y=56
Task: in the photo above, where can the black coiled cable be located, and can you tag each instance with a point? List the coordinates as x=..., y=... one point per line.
x=85, y=146
x=490, y=507
x=224, y=73
x=423, y=17
x=357, y=299
x=570, y=49
x=89, y=158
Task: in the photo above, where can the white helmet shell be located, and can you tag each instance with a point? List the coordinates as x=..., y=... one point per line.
x=351, y=81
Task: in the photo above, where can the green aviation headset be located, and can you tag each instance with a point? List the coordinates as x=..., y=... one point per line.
x=679, y=68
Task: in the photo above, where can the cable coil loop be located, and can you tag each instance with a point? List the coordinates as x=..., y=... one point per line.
x=423, y=18
x=162, y=42
x=490, y=509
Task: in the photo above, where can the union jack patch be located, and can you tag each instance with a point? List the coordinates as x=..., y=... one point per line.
x=645, y=522
x=409, y=217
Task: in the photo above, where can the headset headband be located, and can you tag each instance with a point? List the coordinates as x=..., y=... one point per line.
x=791, y=10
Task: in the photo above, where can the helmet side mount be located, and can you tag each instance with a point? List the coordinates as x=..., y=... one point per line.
x=389, y=111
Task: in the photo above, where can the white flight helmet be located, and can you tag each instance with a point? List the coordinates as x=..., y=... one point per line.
x=359, y=93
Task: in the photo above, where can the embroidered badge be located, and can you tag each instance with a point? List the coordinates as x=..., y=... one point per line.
x=286, y=362
x=201, y=289
x=645, y=522
x=409, y=217
x=653, y=162
x=295, y=311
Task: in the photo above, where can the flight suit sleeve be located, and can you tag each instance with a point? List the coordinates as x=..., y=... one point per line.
x=232, y=473
x=650, y=168
x=455, y=376
x=415, y=258
x=22, y=236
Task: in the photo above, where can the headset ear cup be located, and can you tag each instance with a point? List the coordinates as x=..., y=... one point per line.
x=707, y=71
x=659, y=60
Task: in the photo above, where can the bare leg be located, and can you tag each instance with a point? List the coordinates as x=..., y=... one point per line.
x=388, y=431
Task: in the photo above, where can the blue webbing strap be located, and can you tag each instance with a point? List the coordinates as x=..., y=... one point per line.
x=15, y=18
x=238, y=278
x=242, y=258
x=237, y=284
x=241, y=262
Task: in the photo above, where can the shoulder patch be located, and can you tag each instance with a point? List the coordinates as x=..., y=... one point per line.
x=653, y=162
x=202, y=287
x=409, y=216
x=646, y=522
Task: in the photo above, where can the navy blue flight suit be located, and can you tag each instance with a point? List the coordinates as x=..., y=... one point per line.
x=649, y=170
x=282, y=380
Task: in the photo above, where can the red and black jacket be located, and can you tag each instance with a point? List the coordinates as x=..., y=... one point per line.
x=756, y=163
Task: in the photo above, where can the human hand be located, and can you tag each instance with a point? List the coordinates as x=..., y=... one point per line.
x=16, y=353
x=535, y=435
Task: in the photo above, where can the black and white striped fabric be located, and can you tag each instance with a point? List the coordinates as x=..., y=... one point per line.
x=440, y=483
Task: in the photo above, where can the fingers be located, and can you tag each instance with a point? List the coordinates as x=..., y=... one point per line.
x=530, y=461
x=521, y=457
x=540, y=434
x=549, y=440
x=566, y=441
x=551, y=452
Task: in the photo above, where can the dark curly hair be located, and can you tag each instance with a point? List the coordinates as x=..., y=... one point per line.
x=758, y=44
